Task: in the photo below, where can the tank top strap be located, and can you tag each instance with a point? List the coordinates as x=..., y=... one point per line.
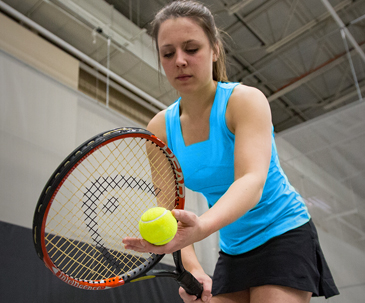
x=219, y=108
x=173, y=129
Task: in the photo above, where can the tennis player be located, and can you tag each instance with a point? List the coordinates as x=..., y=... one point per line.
x=222, y=134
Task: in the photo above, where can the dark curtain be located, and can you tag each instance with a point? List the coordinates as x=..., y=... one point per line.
x=24, y=278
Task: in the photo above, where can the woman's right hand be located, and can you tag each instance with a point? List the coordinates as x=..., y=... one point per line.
x=206, y=281
x=190, y=230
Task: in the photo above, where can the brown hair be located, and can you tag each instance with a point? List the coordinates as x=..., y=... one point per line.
x=205, y=20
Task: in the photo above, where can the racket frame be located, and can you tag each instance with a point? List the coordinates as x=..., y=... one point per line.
x=60, y=175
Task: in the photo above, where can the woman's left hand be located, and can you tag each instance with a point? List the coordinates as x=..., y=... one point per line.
x=206, y=281
x=188, y=232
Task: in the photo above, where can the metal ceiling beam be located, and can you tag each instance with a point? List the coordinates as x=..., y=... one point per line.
x=233, y=10
x=81, y=56
x=343, y=99
x=344, y=28
x=240, y=5
x=102, y=16
x=271, y=55
x=289, y=108
x=309, y=75
x=264, y=7
x=305, y=78
x=305, y=28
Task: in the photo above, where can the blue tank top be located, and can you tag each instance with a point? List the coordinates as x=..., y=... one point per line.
x=208, y=168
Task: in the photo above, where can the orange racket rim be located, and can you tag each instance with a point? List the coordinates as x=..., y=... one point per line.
x=135, y=273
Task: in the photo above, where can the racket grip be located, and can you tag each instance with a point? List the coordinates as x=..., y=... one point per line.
x=191, y=285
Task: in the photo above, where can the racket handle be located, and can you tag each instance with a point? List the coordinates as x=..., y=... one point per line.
x=191, y=285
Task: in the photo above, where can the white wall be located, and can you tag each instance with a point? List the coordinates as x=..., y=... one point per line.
x=41, y=122
x=347, y=265
x=31, y=48
x=320, y=159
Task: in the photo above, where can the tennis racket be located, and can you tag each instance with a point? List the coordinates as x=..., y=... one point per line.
x=95, y=198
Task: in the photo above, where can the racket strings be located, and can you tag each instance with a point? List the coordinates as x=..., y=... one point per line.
x=89, y=265
x=164, y=176
x=101, y=202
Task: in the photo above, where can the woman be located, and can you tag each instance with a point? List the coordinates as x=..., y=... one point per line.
x=222, y=134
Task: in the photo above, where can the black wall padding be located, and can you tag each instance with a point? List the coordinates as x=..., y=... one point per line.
x=25, y=279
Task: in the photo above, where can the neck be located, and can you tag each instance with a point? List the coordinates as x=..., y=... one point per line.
x=197, y=103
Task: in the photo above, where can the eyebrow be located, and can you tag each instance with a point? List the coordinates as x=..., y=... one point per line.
x=184, y=43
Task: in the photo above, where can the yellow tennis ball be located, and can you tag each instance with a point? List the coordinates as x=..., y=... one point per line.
x=158, y=226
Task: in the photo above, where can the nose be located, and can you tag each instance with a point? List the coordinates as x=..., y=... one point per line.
x=180, y=59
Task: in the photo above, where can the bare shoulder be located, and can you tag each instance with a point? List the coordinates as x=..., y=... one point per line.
x=157, y=126
x=247, y=104
x=249, y=96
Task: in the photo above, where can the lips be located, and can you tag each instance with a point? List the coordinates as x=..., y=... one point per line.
x=183, y=77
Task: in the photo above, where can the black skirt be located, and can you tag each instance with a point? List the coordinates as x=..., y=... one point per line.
x=293, y=259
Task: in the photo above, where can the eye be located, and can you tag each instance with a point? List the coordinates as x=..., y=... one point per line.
x=192, y=50
x=168, y=55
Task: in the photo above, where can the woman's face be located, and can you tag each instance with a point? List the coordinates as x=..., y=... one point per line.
x=186, y=55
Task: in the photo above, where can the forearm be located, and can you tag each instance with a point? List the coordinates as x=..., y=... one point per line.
x=190, y=259
x=241, y=196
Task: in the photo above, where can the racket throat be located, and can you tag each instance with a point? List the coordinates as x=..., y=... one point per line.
x=185, y=279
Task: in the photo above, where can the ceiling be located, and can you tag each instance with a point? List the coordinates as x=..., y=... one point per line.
x=292, y=50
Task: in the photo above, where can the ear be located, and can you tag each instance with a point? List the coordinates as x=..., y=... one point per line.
x=216, y=53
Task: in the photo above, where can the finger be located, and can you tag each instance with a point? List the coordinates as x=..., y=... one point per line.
x=207, y=290
x=206, y=296
x=143, y=246
x=134, y=244
x=186, y=297
x=185, y=217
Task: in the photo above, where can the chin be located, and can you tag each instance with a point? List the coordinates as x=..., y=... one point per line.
x=184, y=85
